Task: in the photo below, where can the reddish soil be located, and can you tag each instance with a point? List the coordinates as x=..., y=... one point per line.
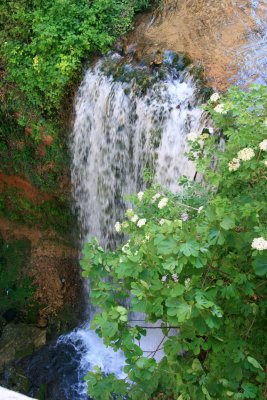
x=25, y=187
x=53, y=266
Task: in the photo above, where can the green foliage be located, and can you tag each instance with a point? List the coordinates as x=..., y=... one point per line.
x=16, y=289
x=44, y=43
x=191, y=262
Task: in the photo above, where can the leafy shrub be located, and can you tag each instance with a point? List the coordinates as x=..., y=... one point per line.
x=44, y=43
x=196, y=262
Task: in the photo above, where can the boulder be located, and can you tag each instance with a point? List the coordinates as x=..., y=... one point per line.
x=19, y=340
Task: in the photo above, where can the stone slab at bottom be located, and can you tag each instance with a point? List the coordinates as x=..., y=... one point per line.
x=6, y=394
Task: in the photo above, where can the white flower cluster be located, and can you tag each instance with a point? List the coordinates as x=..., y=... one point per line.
x=134, y=218
x=220, y=109
x=155, y=197
x=162, y=221
x=263, y=145
x=140, y=195
x=163, y=202
x=215, y=97
x=192, y=136
x=118, y=227
x=204, y=136
x=141, y=222
x=129, y=213
x=259, y=244
x=175, y=278
x=125, y=248
x=234, y=164
x=246, y=154
x=184, y=216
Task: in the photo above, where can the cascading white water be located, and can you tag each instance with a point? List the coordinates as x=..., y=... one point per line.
x=117, y=134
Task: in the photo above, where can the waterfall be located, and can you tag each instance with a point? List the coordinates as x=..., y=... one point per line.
x=118, y=133
x=120, y=129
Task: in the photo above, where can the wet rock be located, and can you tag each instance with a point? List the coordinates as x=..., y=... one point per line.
x=158, y=60
x=11, y=314
x=19, y=340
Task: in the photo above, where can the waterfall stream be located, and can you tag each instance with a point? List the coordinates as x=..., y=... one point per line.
x=119, y=130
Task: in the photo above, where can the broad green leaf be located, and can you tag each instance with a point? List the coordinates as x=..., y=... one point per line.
x=254, y=362
x=227, y=223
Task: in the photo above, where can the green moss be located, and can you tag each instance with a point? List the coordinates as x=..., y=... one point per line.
x=24, y=353
x=16, y=289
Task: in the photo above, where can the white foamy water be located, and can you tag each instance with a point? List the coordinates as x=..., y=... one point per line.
x=91, y=351
x=117, y=134
x=252, y=57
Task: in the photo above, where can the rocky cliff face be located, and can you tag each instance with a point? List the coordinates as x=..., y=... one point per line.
x=221, y=34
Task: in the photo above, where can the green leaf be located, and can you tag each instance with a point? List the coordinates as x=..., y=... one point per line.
x=254, y=362
x=227, y=223
x=250, y=391
x=190, y=248
x=260, y=265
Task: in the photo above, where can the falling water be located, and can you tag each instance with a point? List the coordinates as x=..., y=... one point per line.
x=120, y=129
x=118, y=133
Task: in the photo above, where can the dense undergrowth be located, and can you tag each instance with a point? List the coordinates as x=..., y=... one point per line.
x=42, y=49
x=194, y=262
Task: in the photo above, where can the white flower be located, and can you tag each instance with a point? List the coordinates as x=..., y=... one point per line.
x=246, y=154
x=215, y=97
x=200, y=209
x=265, y=163
x=164, y=278
x=134, y=219
x=211, y=129
x=129, y=213
x=259, y=244
x=192, y=136
x=155, y=197
x=263, y=145
x=162, y=221
x=140, y=195
x=163, y=202
x=141, y=222
x=175, y=277
x=220, y=109
x=204, y=136
x=187, y=282
x=184, y=216
x=234, y=164
x=125, y=248
x=118, y=227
